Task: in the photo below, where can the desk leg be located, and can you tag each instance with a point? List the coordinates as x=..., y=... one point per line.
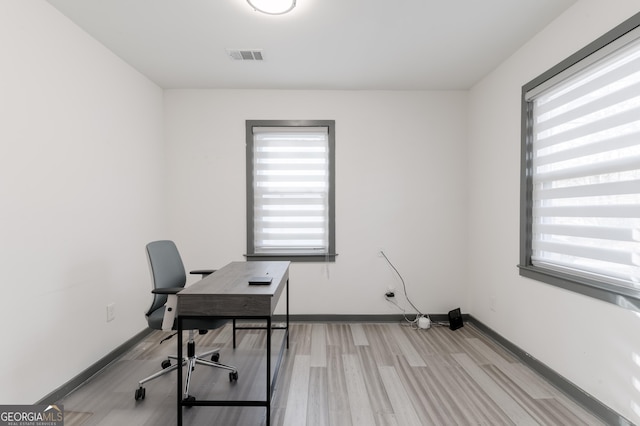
x=179, y=381
x=234, y=333
x=268, y=371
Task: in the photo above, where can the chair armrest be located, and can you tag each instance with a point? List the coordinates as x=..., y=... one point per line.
x=203, y=272
x=167, y=290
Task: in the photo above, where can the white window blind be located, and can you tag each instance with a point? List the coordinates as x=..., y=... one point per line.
x=586, y=171
x=291, y=190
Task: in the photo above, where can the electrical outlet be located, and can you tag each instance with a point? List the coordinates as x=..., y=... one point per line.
x=391, y=291
x=111, y=312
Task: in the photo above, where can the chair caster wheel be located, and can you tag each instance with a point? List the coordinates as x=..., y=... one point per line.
x=140, y=393
x=215, y=357
x=165, y=364
x=187, y=400
x=233, y=376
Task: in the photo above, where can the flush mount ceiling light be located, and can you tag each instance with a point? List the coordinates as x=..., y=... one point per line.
x=272, y=7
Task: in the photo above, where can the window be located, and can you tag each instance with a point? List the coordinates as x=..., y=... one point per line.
x=581, y=171
x=290, y=190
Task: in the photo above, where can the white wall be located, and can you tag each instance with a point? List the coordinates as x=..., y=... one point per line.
x=81, y=191
x=400, y=186
x=594, y=344
x=83, y=185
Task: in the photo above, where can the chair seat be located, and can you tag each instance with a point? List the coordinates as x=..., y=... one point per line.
x=156, y=317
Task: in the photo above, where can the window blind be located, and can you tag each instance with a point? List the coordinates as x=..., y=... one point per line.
x=291, y=190
x=586, y=171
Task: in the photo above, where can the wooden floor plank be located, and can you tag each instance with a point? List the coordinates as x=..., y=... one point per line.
x=76, y=418
x=379, y=345
x=317, y=411
x=407, y=347
x=339, y=334
x=360, y=406
x=318, y=345
x=359, y=336
x=296, y=411
x=471, y=397
x=375, y=388
x=386, y=419
x=400, y=401
x=441, y=390
x=337, y=401
x=422, y=396
x=514, y=410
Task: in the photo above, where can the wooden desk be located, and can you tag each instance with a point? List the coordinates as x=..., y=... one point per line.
x=226, y=294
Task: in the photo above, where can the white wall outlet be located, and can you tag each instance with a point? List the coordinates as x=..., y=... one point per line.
x=111, y=312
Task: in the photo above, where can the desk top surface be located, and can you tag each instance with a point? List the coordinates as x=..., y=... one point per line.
x=228, y=292
x=234, y=279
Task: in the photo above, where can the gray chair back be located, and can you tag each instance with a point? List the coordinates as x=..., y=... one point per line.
x=167, y=270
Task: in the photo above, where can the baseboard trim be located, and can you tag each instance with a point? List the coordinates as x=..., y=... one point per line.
x=359, y=318
x=587, y=401
x=87, y=374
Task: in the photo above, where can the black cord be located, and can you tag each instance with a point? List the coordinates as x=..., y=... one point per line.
x=168, y=337
x=411, y=322
x=404, y=286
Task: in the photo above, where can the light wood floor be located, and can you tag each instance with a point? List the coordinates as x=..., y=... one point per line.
x=340, y=374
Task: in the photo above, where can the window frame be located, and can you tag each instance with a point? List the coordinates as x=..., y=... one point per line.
x=293, y=257
x=625, y=297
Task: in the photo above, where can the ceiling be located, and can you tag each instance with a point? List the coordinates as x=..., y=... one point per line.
x=321, y=44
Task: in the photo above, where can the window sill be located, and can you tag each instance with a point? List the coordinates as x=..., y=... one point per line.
x=293, y=257
x=625, y=298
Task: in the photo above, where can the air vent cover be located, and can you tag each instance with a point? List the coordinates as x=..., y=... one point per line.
x=245, y=54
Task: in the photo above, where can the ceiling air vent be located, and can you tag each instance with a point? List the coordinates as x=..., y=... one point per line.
x=245, y=55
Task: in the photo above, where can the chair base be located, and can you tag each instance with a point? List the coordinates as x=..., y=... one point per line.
x=190, y=361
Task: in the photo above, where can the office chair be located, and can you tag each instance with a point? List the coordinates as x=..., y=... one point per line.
x=168, y=277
